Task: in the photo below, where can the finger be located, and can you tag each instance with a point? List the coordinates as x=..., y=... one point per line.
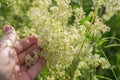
x=24, y=68
x=21, y=76
x=25, y=43
x=35, y=69
x=9, y=37
x=30, y=51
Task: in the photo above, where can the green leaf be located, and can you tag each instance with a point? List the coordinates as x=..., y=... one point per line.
x=75, y=4
x=88, y=18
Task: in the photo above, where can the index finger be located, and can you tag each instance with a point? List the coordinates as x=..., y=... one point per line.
x=25, y=43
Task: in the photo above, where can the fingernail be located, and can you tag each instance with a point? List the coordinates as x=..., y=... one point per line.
x=33, y=38
x=7, y=28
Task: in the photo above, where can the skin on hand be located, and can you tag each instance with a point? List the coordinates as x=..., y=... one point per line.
x=13, y=53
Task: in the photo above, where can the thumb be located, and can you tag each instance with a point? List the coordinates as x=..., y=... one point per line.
x=9, y=36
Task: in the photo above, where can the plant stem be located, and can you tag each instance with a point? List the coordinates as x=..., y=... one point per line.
x=108, y=61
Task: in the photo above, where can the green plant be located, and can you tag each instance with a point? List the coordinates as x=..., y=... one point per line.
x=70, y=33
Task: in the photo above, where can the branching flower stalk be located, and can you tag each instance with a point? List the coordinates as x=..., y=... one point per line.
x=65, y=45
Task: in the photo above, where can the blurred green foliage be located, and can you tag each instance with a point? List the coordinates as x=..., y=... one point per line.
x=113, y=52
x=13, y=12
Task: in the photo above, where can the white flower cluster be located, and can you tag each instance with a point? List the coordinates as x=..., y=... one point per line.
x=67, y=48
x=111, y=7
x=96, y=29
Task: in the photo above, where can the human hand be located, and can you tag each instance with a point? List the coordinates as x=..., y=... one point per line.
x=12, y=56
